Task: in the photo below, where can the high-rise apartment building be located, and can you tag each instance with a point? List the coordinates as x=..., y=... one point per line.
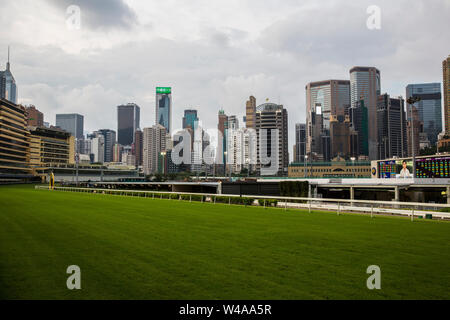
x=97, y=153
x=391, y=126
x=154, y=143
x=72, y=123
x=138, y=147
x=128, y=119
x=8, y=87
x=164, y=107
x=35, y=118
x=300, y=142
x=365, y=84
x=414, y=128
x=250, y=112
x=324, y=99
x=446, y=88
x=272, y=120
x=429, y=107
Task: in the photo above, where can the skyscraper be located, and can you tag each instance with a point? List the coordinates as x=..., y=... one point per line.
x=222, y=127
x=429, y=107
x=300, y=142
x=8, y=88
x=365, y=83
x=250, y=112
x=154, y=143
x=360, y=124
x=71, y=122
x=270, y=116
x=164, y=107
x=324, y=99
x=233, y=122
x=391, y=126
x=190, y=119
x=109, y=140
x=128, y=120
x=446, y=88
x=138, y=147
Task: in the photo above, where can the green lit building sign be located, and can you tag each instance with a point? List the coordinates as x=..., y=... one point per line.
x=163, y=89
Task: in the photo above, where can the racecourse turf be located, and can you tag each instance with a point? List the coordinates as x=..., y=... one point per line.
x=138, y=248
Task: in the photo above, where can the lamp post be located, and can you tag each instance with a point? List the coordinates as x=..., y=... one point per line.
x=411, y=102
x=353, y=166
x=304, y=165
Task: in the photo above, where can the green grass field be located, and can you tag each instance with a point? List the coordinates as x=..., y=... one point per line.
x=137, y=248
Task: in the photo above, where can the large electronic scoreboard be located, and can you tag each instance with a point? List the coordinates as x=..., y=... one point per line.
x=438, y=167
x=387, y=169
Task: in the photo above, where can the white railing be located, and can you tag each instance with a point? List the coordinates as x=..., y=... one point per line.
x=411, y=209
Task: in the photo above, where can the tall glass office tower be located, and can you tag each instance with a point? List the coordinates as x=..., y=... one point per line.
x=128, y=119
x=71, y=122
x=429, y=108
x=164, y=107
x=8, y=88
x=365, y=84
x=190, y=119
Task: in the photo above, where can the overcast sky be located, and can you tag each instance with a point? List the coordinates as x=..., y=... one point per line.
x=214, y=54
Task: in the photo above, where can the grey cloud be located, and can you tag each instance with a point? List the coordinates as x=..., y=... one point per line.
x=101, y=14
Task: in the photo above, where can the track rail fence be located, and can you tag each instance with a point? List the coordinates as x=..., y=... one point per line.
x=372, y=207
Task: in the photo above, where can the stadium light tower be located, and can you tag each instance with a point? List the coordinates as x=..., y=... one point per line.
x=411, y=102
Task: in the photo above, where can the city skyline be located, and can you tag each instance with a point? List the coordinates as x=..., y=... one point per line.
x=271, y=53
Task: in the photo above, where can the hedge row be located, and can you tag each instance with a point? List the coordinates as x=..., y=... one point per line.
x=200, y=198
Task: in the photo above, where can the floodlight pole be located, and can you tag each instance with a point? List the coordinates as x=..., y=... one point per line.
x=411, y=102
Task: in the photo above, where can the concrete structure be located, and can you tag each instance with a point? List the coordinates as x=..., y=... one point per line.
x=35, y=118
x=332, y=169
x=72, y=123
x=49, y=146
x=242, y=149
x=365, y=84
x=138, y=147
x=97, y=153
x=164, y=107
x=154, y=143
x=391, y=126
x=14, y=142
x=446, y=89
x=272, y=120
x=128, y=121
x=414, y=128
x=250, y=113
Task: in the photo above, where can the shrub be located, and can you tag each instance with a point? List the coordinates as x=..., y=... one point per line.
x=269, y=202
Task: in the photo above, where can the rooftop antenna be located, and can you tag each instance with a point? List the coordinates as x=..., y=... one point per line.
x=7, y=64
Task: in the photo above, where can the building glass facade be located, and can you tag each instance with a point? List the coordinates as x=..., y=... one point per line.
x=429, y=108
